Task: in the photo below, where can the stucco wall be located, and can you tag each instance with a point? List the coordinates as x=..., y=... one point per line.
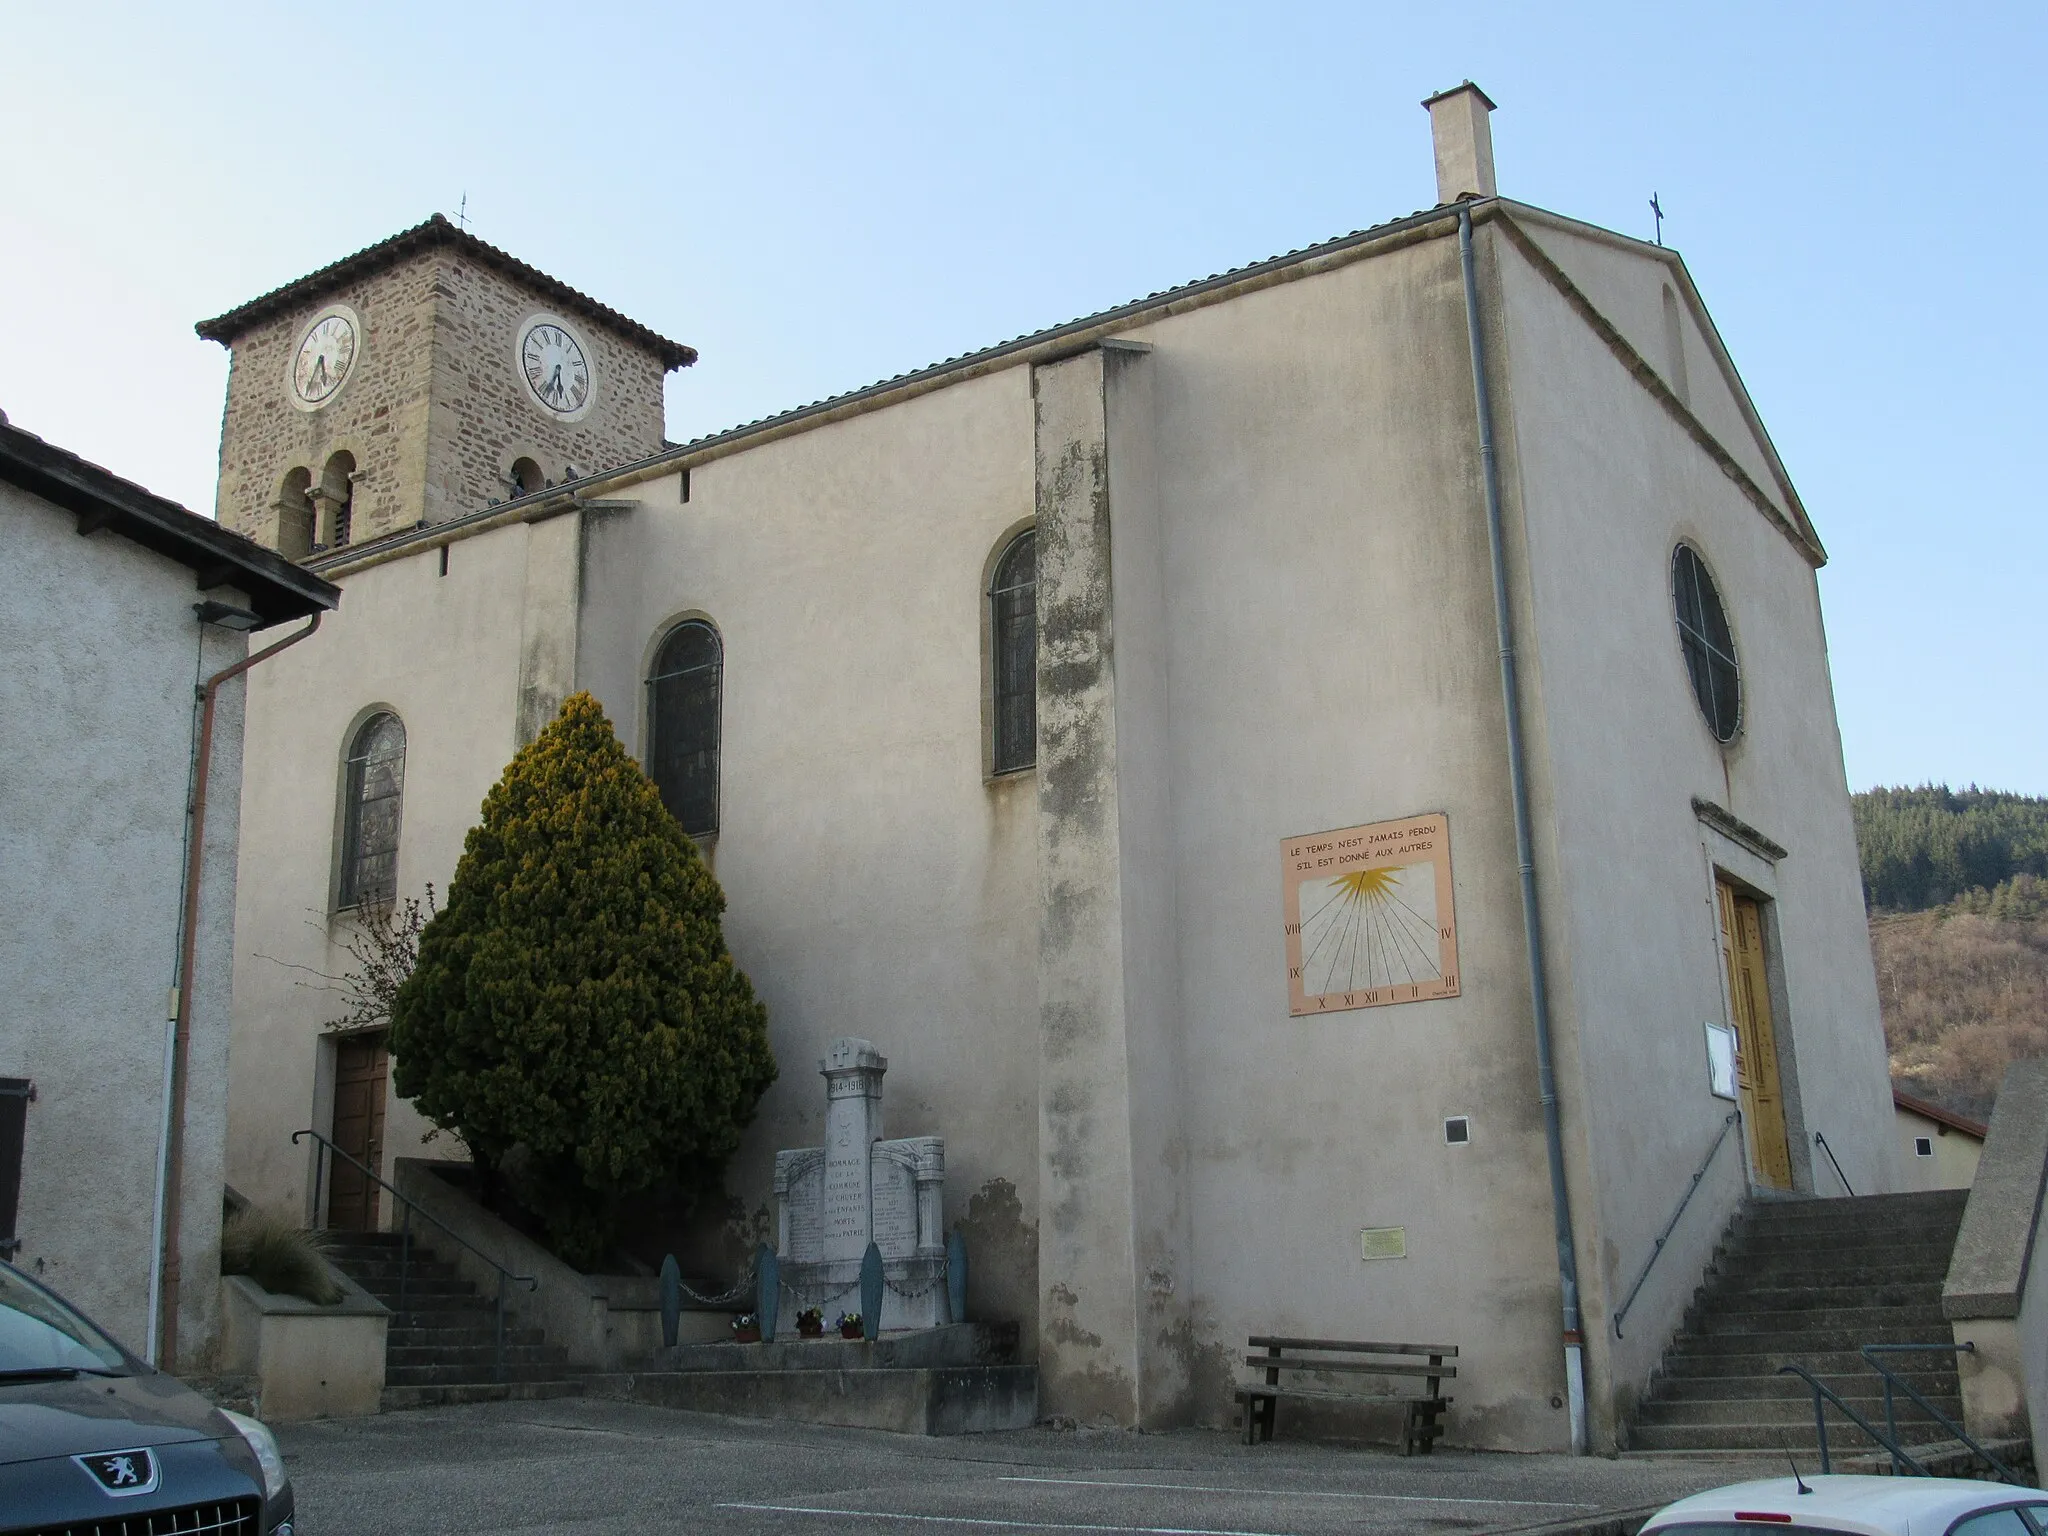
x=1609, y=481
x=103, y=652
x=878, y=884
x=1330, y=662
x=444, y=653
x=1952, y=1162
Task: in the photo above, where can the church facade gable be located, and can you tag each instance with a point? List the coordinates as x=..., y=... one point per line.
x=1648, y=298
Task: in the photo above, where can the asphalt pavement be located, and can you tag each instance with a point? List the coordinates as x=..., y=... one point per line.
x=599, y=1468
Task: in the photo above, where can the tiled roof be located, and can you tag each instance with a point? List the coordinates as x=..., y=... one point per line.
x=1940, y=1116
x=278, y=588
x=437, y=231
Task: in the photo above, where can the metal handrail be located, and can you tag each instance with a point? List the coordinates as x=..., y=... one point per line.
x=1670, y=1226
x=405, y=1241
x=1822, y=1142
x=1891, y=1423
x=1820, y=1422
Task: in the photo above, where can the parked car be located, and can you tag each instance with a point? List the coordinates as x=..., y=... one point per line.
x=1859, y=1506
x=93, y=1439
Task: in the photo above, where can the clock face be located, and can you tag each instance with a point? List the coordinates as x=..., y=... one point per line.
x=556, y=369
x=326, y=354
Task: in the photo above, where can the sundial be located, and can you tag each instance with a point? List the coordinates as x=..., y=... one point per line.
x=1369, y=915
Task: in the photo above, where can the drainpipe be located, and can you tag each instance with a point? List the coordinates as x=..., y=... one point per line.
x=1532, y=923
x=171, y=1254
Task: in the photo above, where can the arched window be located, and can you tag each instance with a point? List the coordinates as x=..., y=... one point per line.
x=527, y=477
x=375, y=787
x=1709, y=647
x=1013, y=655
x=335, y=500
x=295, y=515
x=682, y=715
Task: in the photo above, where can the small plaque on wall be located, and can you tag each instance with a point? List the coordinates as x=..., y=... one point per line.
x=1383, y=1242
x=1368, y=915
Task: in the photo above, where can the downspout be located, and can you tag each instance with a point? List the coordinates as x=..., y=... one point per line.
x=181, y=1033
x=1525, y=856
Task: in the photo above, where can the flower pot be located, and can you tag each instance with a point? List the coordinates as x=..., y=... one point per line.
x=746, y=1335
x=850, y=1331
x=810, y=1330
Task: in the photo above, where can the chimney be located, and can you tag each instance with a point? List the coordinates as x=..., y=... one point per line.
x=1464, y=142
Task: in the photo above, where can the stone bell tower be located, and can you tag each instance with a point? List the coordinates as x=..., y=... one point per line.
x=423, y=378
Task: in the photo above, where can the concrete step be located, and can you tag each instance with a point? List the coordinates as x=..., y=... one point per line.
x=459, y=1375
x=1782, y=1410
x=958, y=1344
x=1843, y=1437
x=1833, y=1269
x=443, y=1316
x=1797, y=1343
x=479, y=1359
x=1855, y=1386
x=397, y=1399
x=1922, y=1324
x=1830, y=1252
x=1771, y=1293
x=1826, y=1363
x=956, y=1400
x=436, y=1292
x=388, y=1273
x=401, y=1337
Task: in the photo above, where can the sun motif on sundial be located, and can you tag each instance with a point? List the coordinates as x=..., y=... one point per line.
x=1368, y=916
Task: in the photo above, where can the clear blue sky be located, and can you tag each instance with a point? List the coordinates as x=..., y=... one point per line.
x=817, y=197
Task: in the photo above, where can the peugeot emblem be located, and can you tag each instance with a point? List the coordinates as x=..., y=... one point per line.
x=122, y=1473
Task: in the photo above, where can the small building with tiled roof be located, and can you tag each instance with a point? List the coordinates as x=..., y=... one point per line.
x=125, y=619
x=1938, y=1148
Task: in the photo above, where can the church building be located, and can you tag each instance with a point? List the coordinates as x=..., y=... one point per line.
x=1323, y=782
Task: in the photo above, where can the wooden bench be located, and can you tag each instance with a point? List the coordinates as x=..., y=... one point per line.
x=1421, y=1428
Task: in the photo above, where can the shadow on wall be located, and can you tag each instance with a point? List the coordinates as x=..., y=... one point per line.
x=1002, y=1259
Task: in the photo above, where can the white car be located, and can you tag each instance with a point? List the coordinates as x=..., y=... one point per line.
x=1859, y=1506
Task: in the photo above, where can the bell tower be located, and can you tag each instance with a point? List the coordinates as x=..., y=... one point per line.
x=423, y=378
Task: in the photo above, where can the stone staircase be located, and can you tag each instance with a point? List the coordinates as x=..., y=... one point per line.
x=1809, y=1282
x=442, y=1348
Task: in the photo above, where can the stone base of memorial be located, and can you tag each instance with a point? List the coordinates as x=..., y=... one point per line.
x=832, y=1201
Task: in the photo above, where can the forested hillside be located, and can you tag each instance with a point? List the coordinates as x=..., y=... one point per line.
x=1957, y=885
x=1922, y=847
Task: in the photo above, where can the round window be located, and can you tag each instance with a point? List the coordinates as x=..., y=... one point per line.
x=1709, y=647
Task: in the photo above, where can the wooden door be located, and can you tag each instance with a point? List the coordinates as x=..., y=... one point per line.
x=362, y=1066
x=1756, y=1041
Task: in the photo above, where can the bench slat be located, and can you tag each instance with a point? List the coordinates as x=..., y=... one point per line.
x=1364, y=1367
x=1450, y=1351
x=1244, y=1393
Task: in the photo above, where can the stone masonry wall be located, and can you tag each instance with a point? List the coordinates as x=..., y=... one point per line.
x=379, y=415
x=434, y=410
x=484, y=415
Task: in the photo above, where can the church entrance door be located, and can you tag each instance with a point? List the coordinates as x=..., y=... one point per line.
x=362, y=1067
x=1756, y=1041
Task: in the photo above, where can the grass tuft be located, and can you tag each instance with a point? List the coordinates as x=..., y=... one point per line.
x=283, y=1259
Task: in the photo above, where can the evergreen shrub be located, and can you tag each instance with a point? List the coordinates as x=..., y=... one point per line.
x=575, y=1017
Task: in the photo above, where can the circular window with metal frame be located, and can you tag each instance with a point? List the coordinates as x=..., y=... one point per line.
x=1709, y=648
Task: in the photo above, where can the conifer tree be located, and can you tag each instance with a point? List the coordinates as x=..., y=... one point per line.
x=575, y=1017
